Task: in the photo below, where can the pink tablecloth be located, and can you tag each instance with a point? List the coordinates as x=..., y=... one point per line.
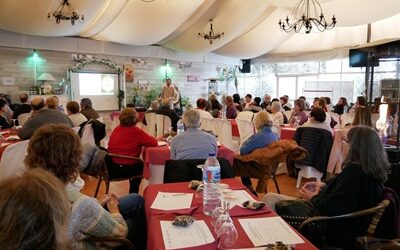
x=159, y=155
x=4, y=143
x=115, y=115
x=155, y=239
x=287, y=132
x=235, y=129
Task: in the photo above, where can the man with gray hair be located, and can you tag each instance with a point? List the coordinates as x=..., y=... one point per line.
x=193, y=143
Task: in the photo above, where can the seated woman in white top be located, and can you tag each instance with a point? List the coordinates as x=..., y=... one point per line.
x=74, y=115
x=277, y=115
x=317, y=120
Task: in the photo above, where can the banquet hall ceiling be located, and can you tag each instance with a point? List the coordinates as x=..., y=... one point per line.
x=250, y=26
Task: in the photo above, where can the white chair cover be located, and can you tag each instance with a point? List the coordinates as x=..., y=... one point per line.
x=22, y=118
x=346, y=118
x=88, y=135
x=206, y=124
x=246, y=129
x=151, y=123
x=307, y=172
x=374, y=118
x=163, y=123
x=223, y=129
x=12, y=160
x=245, y=115
x=288, y=114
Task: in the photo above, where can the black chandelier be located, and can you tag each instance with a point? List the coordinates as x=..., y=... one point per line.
x=65, y=11
x=211, y=36
x=307, y=14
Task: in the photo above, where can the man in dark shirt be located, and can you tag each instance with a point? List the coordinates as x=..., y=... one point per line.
x=25, y=107
x=87, y=109
x=231, y=111
x=165, y=110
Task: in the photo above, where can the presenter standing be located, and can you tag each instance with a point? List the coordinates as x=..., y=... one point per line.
x=168, y=91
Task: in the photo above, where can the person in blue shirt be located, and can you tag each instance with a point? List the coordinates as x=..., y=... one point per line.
x=263, y=123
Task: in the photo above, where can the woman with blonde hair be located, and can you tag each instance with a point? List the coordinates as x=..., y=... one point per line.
x=264, y=136
x=362, y=116
x=57, y=149
x=34, y=212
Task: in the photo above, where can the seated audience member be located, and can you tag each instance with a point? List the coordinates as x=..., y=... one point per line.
x=341, y=107
x=360, y=102
x=266, y=103
x=87, y=109
x=3, y=121
x=328, y=103
x=231, y=111
x=317, y=120
x=201, y=105
x=215, y=108
x=236, y=101
x=8, y=112
x=34, y=210
x=40, y=117
x=256, y=105
x=248, y=102
x=59, y=108
x=359, y=186
x=193, y=143
x=124, y=216
x=362, y=116
x=167, y=111
x=321, y=103
x=52, y=103
x=276, y=113
x=76, y=117
x=24, y=107
x=263, y=137
x=154, y=105
x=306, y=103
x=127, y=139
x=285, y=104
x=298, y=111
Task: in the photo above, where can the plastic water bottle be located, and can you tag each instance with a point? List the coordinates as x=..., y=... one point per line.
x=211, y=179
x=179, y=127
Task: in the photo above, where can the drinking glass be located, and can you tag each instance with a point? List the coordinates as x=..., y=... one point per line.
x=227, y=235
x=297, y=119
x=14, y=123
x=169, y=138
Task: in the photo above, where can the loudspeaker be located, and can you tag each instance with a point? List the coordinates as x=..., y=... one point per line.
x=246, y=66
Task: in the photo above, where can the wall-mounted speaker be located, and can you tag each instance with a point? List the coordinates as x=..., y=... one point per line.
x=246, y=66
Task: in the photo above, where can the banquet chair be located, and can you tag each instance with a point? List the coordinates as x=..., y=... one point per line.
x=108, y=240
x=223, y=129
x=346, y=119
x=151, y=124
x=246, y=129
x=319, y=229
x=110, y=171
x=12, y=159
x=163, y=122
x=336, y=118
x=245, y=115
x=187, y=170
x=206, y=125
x=22, y=118
x=318, y=142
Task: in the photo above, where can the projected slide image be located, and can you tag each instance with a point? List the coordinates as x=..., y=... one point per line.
x=97, y=84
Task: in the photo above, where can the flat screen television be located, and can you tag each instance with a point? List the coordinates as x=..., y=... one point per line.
x=359, y=58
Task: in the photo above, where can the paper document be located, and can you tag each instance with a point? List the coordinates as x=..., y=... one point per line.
x=241, y=196
x=172, y=201
x=161, y=143
x=176, y=237
x=13, y=138
x=262, y=231
x=4, y=144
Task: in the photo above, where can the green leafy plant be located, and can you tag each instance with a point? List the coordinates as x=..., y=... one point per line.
x=230, y=75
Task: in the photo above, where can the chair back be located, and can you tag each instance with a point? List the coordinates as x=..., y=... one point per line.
x=246, y=129
x=151, y=124
x=12, y=160
x=163, y=122
x=288, y=114
x=389, y=224
x=346, y=119
x=318, y=142
x=223, y=128
x=336, y=118
x=88, y=135
x=186, y=170
x=22, y=118
x=245, y=115
x=206, y=124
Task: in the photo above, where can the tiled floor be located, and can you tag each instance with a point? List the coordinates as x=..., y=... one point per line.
x=286, y=185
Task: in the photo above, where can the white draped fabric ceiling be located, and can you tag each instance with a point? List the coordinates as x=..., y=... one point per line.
x=250, y=26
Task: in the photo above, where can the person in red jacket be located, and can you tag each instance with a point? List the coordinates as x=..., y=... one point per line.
x=127, y=139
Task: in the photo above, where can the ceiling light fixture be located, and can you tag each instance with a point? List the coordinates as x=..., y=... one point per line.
x=307, y=14
x=211, y=36
x=65, y=11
